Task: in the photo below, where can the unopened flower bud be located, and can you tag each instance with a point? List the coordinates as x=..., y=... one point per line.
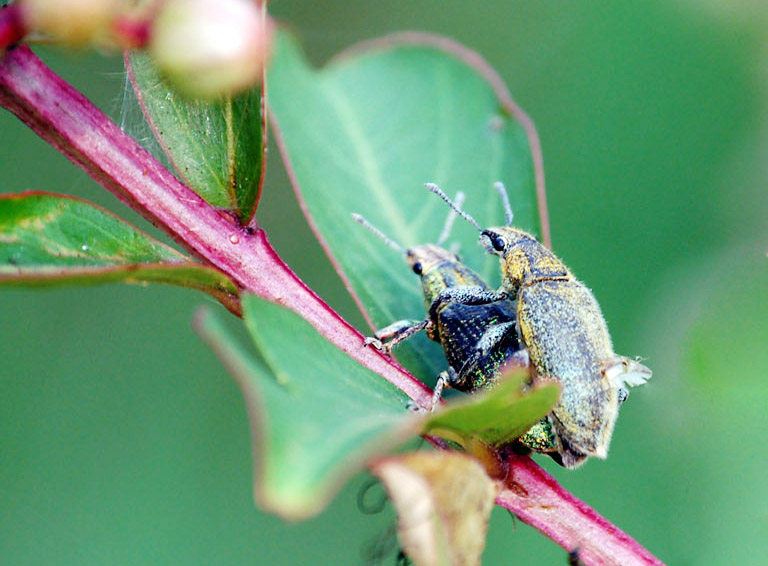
x=72, y=21
x=210, y=47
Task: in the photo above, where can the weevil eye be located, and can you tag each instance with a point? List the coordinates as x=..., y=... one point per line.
x=417, y=268
x=497, y=242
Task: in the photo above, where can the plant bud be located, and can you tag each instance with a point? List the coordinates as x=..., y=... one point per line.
x=210, y=47
x=72, y=21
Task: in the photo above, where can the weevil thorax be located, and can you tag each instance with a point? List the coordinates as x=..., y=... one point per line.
x=523, y=259
x=439, y=269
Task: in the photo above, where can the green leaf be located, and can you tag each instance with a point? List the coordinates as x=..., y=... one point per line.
x=316, y=415
x=216, y=146
x=48, y=239
x=364, y=135
x=497, y=416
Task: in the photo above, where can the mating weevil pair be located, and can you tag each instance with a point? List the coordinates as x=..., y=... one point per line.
x=560, y=325
x=474, y=325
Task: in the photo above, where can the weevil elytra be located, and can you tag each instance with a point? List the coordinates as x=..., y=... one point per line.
x=563, y=329
x=474, y=325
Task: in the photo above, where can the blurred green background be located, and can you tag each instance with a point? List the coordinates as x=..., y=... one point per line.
x=122, y=441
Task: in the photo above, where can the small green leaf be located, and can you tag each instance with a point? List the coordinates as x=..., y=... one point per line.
x=364, y=135
x=497, y=416
x=316, y=415
x=216, y=146
x=48, y=239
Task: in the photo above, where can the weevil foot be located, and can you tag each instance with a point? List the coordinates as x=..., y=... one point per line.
x=414, y=407
x=623, y=394
x=373, y=341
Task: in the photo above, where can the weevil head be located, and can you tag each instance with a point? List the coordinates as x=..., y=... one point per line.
x=501, y=240
x=424, y=259
x=439, y=269
x=522, y=257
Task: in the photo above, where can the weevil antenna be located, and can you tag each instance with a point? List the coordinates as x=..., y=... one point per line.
x=388, y=241
x=460, y=196
x=508, y=216
x=438, y=191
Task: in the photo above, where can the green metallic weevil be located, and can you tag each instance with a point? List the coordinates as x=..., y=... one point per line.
x=563, y=329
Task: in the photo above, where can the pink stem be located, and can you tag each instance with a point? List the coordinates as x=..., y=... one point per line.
x=69, y=122
x=537, y=499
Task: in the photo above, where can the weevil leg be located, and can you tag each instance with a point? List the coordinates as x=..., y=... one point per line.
x=443, y=380
x=391, y=331
x=623, y=394
x=389, y=336
x=447, y=378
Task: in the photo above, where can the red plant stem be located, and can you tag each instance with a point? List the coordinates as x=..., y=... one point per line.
x=68, y=121
x=537, y=499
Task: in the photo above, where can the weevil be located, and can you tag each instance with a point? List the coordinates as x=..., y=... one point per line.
x=566, y=336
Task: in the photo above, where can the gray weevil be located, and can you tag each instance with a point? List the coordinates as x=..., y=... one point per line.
x=562, y=327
